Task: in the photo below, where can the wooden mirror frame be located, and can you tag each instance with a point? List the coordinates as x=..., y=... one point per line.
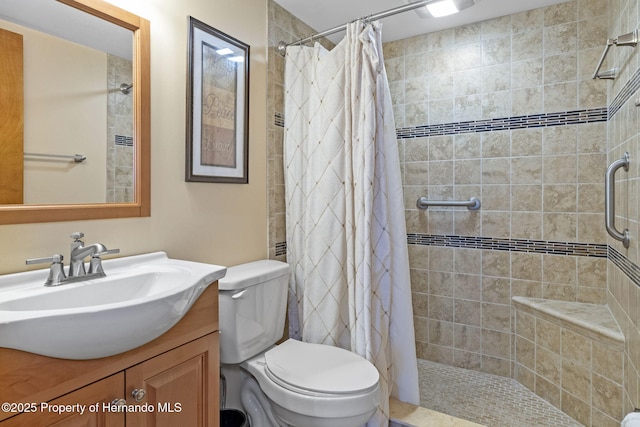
x=22, y=214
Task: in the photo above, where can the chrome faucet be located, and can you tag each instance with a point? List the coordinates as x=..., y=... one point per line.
x=77, y=271
x=79, y=252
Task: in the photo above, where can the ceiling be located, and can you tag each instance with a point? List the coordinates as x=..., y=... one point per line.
x=69, y=23
x=326, y=14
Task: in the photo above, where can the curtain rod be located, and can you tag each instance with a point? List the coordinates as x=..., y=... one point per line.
x=396, y=10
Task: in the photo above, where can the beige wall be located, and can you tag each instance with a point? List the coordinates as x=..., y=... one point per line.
x=217, y=223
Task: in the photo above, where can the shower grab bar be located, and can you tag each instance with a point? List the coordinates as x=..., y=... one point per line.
x=610, y=200
x=629, y=39
x=472, y=204
x=77, y=158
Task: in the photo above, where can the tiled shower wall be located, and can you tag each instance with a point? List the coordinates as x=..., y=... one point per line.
x=624, y=272
x=504, y=110
x=283, y=26
x=120, y=150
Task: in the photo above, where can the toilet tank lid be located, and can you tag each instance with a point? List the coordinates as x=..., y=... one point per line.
x=250, y=274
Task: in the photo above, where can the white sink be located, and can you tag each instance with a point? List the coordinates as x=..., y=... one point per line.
x=141, y=298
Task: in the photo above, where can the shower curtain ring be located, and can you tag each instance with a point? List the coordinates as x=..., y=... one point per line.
x=363, y=19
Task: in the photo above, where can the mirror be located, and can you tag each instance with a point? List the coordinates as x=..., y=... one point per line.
x=109, y=119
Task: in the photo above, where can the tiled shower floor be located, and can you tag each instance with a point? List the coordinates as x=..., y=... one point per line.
x=486, y=399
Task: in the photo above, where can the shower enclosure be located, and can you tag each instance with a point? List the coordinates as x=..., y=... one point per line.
x=507, y=111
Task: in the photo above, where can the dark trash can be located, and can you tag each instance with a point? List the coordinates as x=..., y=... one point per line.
x=233, y=418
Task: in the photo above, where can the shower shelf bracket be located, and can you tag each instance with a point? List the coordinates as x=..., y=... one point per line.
x=629, y=39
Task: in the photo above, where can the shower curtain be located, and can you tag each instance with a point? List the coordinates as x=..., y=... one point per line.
x=346, y=232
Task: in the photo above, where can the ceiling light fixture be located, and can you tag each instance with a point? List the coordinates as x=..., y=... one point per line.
x=427, y=12
x=442, y=8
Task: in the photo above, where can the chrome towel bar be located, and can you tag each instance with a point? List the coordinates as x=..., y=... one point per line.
x=472, y=204
x=77, y=158
x=610, y=200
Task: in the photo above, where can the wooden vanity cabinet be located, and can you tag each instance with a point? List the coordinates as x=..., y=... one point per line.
x=171, y=381
x=178, y=385
x=105, y=390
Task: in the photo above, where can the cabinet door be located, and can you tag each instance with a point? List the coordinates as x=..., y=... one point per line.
x=176, y=388
x=12, y=123
x=85, y=407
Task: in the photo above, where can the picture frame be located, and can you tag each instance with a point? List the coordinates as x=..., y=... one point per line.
x=217, y=106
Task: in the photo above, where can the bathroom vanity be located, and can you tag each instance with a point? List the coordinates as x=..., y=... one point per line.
x=170, y=381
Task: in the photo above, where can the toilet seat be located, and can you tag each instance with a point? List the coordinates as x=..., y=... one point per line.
x=301, y=397
x=316, y=369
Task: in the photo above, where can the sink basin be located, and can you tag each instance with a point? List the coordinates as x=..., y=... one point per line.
x=141, y=298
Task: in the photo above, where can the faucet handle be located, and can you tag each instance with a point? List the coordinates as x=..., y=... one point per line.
x=54, y=259
x=95, y=265
x=107, y=252
x=77, y=235
x=56, y=270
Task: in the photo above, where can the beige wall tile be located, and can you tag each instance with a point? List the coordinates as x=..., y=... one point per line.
x=576, y=348
x=526, y=325
x=526, y=353
x=607, y=396
x=576, y=380
x=548, y=335
x=526, y=288
x=576, y=408
x=549, y=365
x=547, y=390
x=496, y=366
x=496, y=289
x=468, y=286
x=497, y=344
x=607, y=362
x=467, y=338
x=496, y=317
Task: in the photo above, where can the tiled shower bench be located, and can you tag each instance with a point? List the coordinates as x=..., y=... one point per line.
x=571, y=354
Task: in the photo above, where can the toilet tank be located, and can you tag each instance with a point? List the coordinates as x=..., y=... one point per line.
x=253, y=303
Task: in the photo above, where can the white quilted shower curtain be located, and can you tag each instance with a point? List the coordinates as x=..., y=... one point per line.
x=346, y=232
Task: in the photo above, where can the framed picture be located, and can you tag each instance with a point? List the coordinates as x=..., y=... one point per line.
x=217, y=106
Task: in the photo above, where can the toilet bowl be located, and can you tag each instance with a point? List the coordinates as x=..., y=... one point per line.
x=316, y=385
x=294, y=383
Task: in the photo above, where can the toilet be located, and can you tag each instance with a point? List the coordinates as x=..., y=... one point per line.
x=293, y=383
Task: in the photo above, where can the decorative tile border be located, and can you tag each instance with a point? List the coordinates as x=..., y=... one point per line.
x=492, y=125
x=625, y=265
x=281, y=248
x=511, y=245
x=124, y=140
x=496, y=244
x=506, y=123
x=625, y=93
x=278, y=119
x=629, y=268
